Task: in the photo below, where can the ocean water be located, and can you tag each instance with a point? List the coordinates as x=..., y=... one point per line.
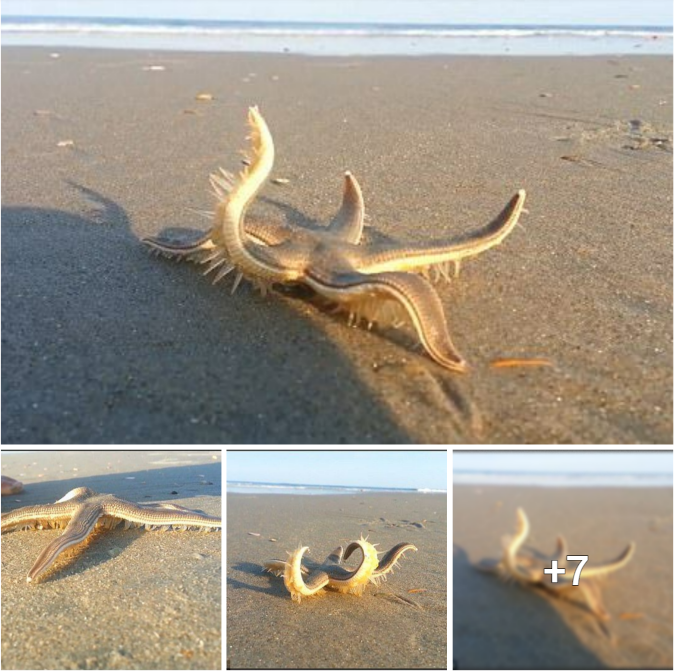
x=288, y=488
x=371, y=27
x=548, y=479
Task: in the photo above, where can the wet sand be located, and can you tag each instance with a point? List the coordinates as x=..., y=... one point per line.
x=500, y=625
x=103, y=343
x=388, y=627
x=128, y=599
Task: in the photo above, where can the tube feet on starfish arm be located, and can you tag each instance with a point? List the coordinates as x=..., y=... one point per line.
x=372, y=283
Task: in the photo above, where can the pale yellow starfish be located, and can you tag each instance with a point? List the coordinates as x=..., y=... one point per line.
x=529, y=571
x=379, y=284
x=301, y=580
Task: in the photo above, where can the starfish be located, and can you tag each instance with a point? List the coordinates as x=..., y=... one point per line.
x=82, y=510
x=379, y=284
x=331, y=574
x=529, y=571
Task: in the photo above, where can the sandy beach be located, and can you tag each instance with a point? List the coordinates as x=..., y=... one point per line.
x=103, y=343
x=500, y=625
x=388, y=627
x=127, y=599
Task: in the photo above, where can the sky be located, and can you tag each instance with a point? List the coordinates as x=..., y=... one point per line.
x=591, y=12
x=605, y=462
x=416, y=469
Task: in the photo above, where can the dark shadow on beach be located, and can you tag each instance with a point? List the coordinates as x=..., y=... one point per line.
x=140, y=486
x=276, y=587
x=103, y=344
x=499, y=625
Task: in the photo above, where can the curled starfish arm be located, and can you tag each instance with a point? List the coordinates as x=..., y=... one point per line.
x=390, y=559
x=511, y=547
x=277, y=566
x=80, y=526
x=354, y=582
x=405, y=257
x=249, y=259
x=412, y=293
x=609, y=567
x=348, y=222
x=294, y=578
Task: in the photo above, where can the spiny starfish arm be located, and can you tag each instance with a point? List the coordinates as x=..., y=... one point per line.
x=177, y=516
x=293, y=577
x=40, y=514
x=80, y=526
x=354, y=582
x=406, y=257
x=347, y=224
x=180, y=249
x=390, y=559
x=609, y=567
x=251, y=260
x=415, y=295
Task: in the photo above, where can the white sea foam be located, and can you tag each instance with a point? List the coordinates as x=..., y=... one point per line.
x=334, y=38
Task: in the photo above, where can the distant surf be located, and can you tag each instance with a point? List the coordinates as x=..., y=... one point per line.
x=547, y=479
x=329, y=38
x=238, y=487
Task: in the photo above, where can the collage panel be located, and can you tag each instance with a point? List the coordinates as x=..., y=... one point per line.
x=111, y=559
x=562, y=559
x=337, y=559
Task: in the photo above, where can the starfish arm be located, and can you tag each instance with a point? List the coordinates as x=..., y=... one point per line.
x=390, y=559
x=293, y=577
x=561, y=550
x=120, y=509
x=511, y=547
x=190, y=250
x=250, y=260
x=347, y=224
x=412, y=293
x=335, y=557
x=354, y=581
x=80, y=526
x=45, y=515
x=489, y=566
x=257, y=231
x=611, y=566
x=405, y=257
x=278, y=566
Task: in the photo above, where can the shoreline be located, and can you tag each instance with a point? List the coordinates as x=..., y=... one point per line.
x=106, y=344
